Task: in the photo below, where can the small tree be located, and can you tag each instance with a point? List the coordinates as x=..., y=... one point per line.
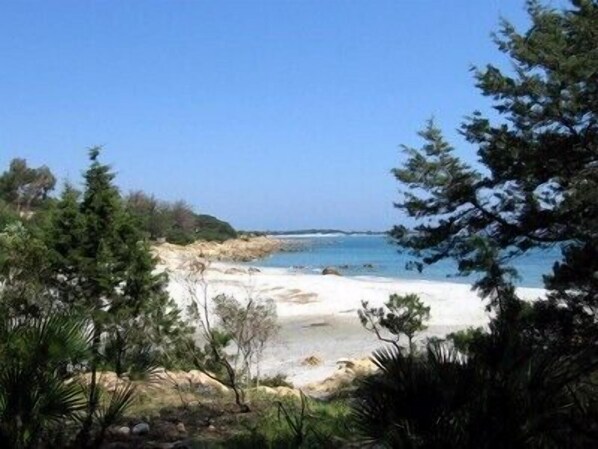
x=401, y=315
x=234, y=333
x=250, y=326
x=24, y=187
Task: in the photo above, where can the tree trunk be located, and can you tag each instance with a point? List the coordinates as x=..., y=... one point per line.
x=84, y=436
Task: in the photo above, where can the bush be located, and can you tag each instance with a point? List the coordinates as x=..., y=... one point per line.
x=277, y=380
x=176, y=222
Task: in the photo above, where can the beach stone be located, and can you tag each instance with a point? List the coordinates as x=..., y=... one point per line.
x=121, y=431
x=141, y=429
x=330, y=271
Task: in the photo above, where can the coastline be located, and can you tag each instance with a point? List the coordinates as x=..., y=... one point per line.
x=317, y=314
x=242, y=249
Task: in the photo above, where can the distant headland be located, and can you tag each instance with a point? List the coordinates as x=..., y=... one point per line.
x=322, y=232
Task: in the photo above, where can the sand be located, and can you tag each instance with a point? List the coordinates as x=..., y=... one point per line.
x=318, y=314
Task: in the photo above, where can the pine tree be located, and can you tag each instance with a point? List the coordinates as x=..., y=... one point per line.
x=105, y=267
x=539, y=181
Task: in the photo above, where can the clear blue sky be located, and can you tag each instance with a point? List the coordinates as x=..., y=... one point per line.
x=273, y=115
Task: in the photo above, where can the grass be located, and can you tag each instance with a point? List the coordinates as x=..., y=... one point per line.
x=213, y=422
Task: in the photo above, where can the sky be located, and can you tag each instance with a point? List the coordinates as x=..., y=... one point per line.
x=269, y=114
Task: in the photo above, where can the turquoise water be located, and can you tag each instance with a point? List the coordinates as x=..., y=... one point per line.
x=375, y=255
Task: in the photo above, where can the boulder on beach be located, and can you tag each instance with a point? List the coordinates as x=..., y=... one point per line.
x=343, y=378
x=312, y=360
x=277, y=391
x=331, y=271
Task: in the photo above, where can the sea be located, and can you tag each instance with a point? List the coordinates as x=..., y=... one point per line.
x=377, y=255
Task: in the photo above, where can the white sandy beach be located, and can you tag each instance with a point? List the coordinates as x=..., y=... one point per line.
x=318, y=314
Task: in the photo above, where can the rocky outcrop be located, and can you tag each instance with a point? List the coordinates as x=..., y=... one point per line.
x=162, y=379
x=235, y=250
x=331, y=271
x=280, y=392
x=343, y=378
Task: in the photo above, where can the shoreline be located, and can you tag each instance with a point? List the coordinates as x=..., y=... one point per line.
x=317, y=314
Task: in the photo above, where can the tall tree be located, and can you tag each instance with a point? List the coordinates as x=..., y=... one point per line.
x=529, y=380
x=105, y=267
x=539, y=181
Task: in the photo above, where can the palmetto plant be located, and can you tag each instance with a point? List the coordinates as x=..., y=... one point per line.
x=41, y=401
x=413, y=401
x=504, y=398
x=35, y=397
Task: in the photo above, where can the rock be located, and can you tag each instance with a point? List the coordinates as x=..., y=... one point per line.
x=369, y=266
x=140, y=429
x=211, y=428
x=343, y=378
x=346, y=363
x=278, y=391
x=265, y=390
x=312, y=360
x=330, y=270
x=360, y=367
x=234, y=250
x=120, y=431
x=180, y=427
x=287, y=391
x=183, y=445
x=206, y=383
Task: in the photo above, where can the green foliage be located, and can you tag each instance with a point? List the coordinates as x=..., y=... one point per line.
x=105, y=266
x=401, y=315
x=42, y=402
x=509, y=397
x=293, y=424
x=465, y=340
x=249, y=326
x=35, y=399
x=24, y=187
x=24, y=269
x=234, y=333
x=539, y=182
x=530, y=381
x=7, y=214
x=175, y=222
x=277, y=380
